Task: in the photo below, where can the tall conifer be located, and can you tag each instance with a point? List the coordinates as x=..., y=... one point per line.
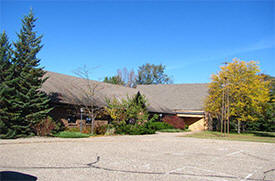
x=33, y=105
x=6, y=88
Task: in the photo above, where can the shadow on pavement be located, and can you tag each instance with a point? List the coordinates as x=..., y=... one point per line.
x=16, y=176
x=264, y=134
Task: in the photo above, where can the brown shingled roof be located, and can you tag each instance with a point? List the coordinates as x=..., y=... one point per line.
x=177, y=96
x=69, y=89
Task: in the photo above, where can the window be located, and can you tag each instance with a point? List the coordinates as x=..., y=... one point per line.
x=88, y=120
x=71, y=119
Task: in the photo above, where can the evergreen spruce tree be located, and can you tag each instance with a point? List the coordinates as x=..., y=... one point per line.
x=32, y=104
x=8, y=106
x=6, y=88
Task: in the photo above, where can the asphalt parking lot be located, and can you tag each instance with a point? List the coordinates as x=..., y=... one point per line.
x=166, y=156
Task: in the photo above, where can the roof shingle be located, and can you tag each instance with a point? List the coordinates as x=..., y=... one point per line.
x=71, y=90
x=177, y=96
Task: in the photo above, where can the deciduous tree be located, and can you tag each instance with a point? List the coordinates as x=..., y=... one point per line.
x=128, y=77
x=89, y=95
x=123, y=77
x=152, y=74
x=245, y=88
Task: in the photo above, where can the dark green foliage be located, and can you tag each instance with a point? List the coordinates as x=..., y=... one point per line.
x=134, y=129
x=152, y=74
x=272, y=87
x=114, y=80
x=149, y=127
x=266, y=121
x=34, y=104
x=5, y=55
x=7, y=90
x=159, y=126
x=23, y=105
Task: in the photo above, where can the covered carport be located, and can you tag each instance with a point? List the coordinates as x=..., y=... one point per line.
x=195, y=120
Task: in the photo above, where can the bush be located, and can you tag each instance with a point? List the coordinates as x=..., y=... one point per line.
x=73, y=129
x=134, y=129
x=159, y=125
x=48, y=127
x=130, y=116
x=186, y=127
x=110, y=130
x=149, y=127
x=101, y=130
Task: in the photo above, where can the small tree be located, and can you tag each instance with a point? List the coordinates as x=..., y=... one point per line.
x=245, y=89
x=114, y=80
x=152, y=74
x=128, y=77
x=89, y=94
x=128, y=111
x=123, y=77
x=130, y=116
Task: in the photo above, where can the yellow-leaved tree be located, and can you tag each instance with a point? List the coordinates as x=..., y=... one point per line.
x=237, y=91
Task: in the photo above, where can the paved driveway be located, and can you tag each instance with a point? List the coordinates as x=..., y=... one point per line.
x=165, y=156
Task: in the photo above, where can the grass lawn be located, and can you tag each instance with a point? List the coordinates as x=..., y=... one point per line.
x=268, y=137
x=173, y=130
x=69, y=134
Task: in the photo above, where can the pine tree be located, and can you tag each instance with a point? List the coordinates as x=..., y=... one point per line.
x=8, y=106
x=114, y=80
x=32, y=104
x=5, y=55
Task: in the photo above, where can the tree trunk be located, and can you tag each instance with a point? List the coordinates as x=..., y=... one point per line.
x=92, y=125
x=239, y=126
x=210, y=122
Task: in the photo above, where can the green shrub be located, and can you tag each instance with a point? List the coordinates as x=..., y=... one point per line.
x=186, y=127
x=134, y=129
x=130, y=116
x=149, y=127
x=159, y=125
